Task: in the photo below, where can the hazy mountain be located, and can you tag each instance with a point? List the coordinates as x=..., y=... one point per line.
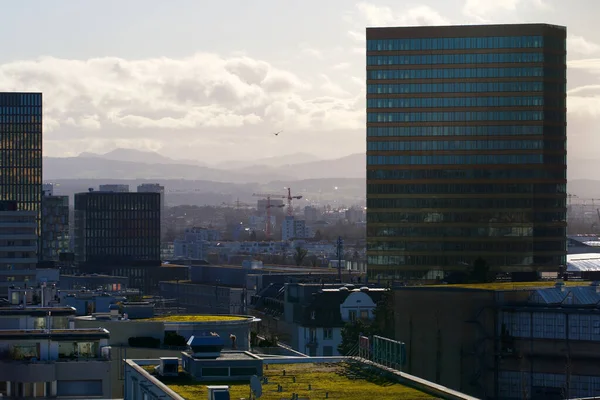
x=138, y=156
x=98, y=167
x=296, y=158
x=352, y=166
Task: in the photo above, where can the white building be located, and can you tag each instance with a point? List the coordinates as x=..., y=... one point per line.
x=293, y=228
x=18, y=247
x=194, y=243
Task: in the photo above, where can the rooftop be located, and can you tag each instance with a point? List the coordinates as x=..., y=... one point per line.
x=500, y=286
x=197, y=318
x=37, y=311
x=340, y=380
x=57, y=334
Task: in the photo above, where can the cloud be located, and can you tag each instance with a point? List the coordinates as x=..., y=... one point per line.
x=310, y=51
x=591, y=65
x=385, y=16
x=147, y=96
x=579, y=45
x=342, y=66
x=481, y=10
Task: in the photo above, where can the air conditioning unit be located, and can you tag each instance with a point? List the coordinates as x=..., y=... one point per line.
x=218, y=392
x=169, y=366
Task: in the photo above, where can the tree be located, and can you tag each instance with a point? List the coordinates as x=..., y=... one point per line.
x=382, y=324
x=318, y=235
x=299, y=255
x=350, y=333
x=253, y=236
x=384, y=315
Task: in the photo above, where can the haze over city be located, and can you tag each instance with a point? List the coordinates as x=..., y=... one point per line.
x=212, y=83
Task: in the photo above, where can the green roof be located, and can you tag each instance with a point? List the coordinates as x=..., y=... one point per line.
x=340, y=380
x=509, y=285
x=197, y=318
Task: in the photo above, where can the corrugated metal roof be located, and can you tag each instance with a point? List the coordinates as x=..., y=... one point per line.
x=583, y=262
x=584, y=295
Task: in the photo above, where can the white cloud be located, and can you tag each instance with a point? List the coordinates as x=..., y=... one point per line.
x=310, y=51
x=204, y=91
x=579, y=45
x=590, y=64
x=357, y=36
x=483, y=9
x=342, y=66
x=385, y=16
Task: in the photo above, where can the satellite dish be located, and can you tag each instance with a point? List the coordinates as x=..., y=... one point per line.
x=255, y=386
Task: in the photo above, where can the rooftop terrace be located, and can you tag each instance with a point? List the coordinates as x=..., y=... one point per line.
x=197, y=318
x=340, y=381
x=507, y=285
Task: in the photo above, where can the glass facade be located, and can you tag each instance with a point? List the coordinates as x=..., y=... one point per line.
x=466, y=149
x=21, y=150
x=55, y=237
x=113, y=229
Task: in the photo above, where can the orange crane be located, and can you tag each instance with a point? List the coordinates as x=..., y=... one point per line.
x=289, y=199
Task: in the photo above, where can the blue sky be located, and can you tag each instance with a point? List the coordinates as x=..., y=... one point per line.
x=189, y=77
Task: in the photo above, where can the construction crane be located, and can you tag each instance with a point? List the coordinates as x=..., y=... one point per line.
x=289, y=199
x=268, y=207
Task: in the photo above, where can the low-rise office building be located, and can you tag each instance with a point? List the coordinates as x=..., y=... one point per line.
x=41, y=357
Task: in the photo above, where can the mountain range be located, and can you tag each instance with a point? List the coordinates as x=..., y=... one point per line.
x=136, y=164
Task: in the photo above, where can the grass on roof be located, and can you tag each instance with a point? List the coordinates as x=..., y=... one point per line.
x=196, y=318
x=341, y=381
x=511, y=285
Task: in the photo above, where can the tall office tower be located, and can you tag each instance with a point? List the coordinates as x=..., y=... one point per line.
x=18, y=247
x=21, y=150
x=466, y=149
x=55, y=237
x=117, y=229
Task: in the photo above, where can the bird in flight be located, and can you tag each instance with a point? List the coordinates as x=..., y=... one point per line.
x=277, y=133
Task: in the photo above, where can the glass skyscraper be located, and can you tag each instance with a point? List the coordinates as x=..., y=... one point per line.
x=466, y=149
x=21, y=150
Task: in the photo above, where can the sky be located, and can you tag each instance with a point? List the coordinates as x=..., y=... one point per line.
x=213, y=80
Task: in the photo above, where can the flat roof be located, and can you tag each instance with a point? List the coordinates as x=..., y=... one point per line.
x=499, y=286
x=464, y=31
x=197, y=318
x=54, y=334
x=340, y=380
x=37, y=311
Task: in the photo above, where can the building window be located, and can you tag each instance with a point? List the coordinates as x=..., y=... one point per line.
x=327, y=333
x=352, y=315
x=364, y=314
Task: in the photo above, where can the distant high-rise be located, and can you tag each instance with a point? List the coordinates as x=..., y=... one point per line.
x=466, y=149
x=55, y=237
x=114, y=187
x=21, y=150
x=113, y=229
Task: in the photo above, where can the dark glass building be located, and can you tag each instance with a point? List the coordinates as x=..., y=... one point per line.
x=466, y=149
x=21, y=150
x=117, y=229
x=55, y=237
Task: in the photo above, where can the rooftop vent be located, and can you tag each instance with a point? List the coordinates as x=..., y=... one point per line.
x=344, y=289
x=206, y=345
x=364, y=289
x=169, y=366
